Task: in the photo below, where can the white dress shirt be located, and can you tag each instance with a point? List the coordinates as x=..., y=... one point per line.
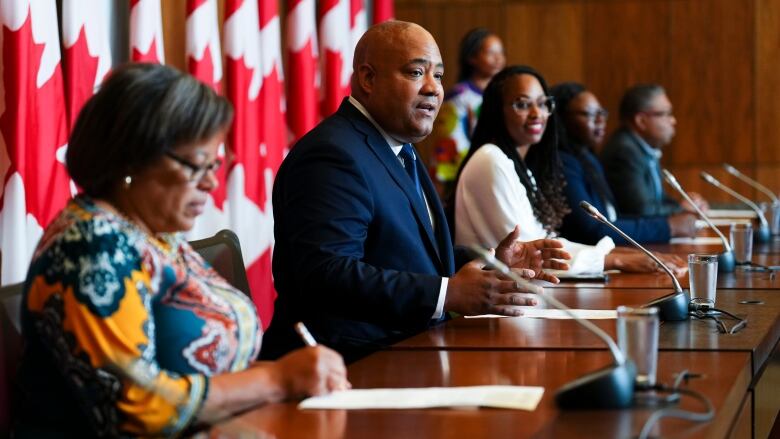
x=490, y=200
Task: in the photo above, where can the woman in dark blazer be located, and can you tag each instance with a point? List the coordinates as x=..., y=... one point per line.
x=582, y=130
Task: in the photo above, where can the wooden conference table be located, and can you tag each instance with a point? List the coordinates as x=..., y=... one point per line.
x=740, y=372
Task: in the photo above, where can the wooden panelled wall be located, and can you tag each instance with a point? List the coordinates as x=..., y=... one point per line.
x=718, y=60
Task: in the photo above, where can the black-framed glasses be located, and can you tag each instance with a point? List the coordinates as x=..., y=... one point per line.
x=544, y=105
x=196, y=172
x=600, y=113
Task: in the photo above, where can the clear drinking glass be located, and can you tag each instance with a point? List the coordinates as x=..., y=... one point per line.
x=741, y=237
x=637, y=331
x=774, y=222
x=703, y=272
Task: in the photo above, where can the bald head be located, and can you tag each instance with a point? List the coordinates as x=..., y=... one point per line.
x=385, y=33
x=397, y=78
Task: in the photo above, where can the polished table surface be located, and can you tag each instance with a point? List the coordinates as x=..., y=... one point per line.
x=736, y=280
x=764, y=254
x=741, y=372
x=758, y=338
x=725, y=377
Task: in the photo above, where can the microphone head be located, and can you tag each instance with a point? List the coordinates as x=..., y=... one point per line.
x=592, y=211
x=730, y=169
x=709, y=178
x=670, y=178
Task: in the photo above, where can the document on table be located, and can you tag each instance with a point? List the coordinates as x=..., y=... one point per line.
x=731, y=213
x=507, y=397
x=543, y=313
x=721, y=222
x=699, y=240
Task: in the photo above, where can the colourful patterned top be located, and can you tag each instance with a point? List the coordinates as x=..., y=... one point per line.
x=123, y=330
x=452, y=130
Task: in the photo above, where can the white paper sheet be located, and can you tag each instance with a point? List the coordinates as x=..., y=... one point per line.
x=731, y=213
x=508, y=397
x=721, y=222
x=543, y=313
x=699, y=240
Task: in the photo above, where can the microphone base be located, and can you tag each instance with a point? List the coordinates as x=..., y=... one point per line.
x=726, y=262
x=609, y=388
x=672, y=307
x=762, y=235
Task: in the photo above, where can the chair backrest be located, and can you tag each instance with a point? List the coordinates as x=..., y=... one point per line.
x=223, y=252
x=10, y=348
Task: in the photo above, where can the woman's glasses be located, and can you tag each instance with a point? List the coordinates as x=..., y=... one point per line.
x=544, y=105
x=196, y=172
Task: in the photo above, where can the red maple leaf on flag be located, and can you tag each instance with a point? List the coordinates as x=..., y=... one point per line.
x=148, y=56
x=204, y=70
x=81, y=67
x=33, y=126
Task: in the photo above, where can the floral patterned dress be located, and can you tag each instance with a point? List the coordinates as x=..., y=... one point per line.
x=122, y=330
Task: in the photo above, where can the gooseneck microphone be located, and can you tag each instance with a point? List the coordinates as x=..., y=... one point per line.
x=764, y=233
x=726, y=261
x=753, y=183
x=672, y=307
x=609, y=387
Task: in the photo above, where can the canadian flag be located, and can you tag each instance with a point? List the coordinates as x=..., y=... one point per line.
x=258, y=139
x=204, y=61
x=335, y=58
x=87, y=56
x=146, y=35
x=383, y=10
x=358, y=23
x=302, y=81
x=33, y=130
x=204, y=55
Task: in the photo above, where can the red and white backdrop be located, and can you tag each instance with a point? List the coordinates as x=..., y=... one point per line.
x=50, y=65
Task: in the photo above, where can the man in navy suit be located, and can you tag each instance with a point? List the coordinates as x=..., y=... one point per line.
x=363, y=253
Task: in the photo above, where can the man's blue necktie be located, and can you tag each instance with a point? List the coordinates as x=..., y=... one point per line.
x=409, y=157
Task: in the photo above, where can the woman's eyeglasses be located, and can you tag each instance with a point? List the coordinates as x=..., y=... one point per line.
x=544, y=105
x=196, y=172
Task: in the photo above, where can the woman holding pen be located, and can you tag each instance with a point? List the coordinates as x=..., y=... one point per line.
x=128, y=331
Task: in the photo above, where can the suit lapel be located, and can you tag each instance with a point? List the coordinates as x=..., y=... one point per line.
x=385, y=154
x=442, y=233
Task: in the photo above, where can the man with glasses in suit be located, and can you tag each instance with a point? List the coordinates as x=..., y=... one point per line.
x=632, y=156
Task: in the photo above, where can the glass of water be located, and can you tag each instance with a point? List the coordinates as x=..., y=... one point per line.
x=741, y=237
x=703, y=276
x=637, y=331
x=774, y=223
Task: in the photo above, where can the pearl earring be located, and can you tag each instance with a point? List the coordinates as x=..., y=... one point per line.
x=128, y=181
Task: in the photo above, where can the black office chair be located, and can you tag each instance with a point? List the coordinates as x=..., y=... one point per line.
x=10, y=348
x=223, y=252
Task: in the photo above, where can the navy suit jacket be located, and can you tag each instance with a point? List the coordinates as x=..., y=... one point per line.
x=356, y=258
x=631, y=177
x=578, y=226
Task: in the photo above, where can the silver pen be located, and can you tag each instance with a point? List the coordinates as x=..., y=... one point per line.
x=306, y=336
